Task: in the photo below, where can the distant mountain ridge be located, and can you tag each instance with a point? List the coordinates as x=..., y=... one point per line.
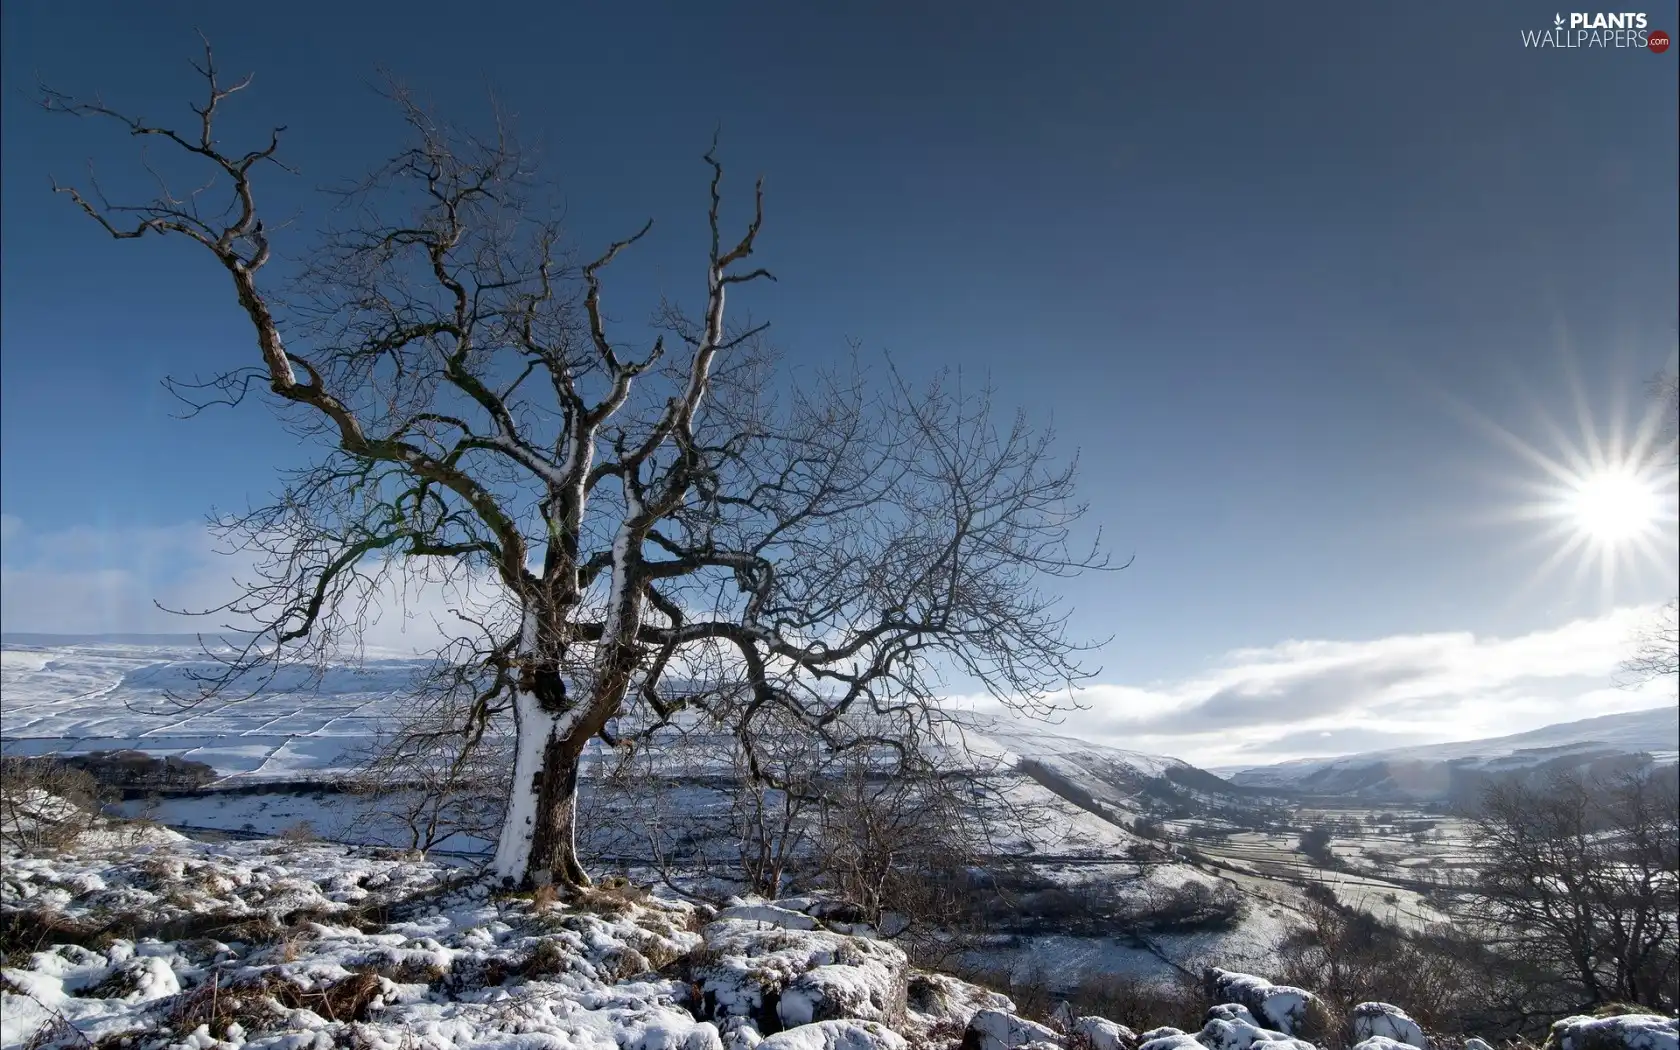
x=1604, y=744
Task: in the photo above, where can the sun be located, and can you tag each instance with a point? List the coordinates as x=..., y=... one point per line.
x=1603, y=500
x=1613, y=505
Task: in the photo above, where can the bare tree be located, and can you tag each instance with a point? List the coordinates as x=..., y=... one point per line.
x=1581, y=880
x=630, y=514
x=1657, y=648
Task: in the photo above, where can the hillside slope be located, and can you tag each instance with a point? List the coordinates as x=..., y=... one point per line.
x=1445, y=771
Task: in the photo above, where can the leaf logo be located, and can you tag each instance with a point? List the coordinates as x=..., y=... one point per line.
x=1557, y=20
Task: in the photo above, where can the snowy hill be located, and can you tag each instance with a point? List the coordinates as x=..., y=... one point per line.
x=1443, y=771
x=66, y=694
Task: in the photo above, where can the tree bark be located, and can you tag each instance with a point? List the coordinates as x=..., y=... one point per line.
x=554, y=856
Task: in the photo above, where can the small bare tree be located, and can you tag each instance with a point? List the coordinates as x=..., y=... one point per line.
x=630, y=513
x=1581, y=880
x=433, y=775
x=1657, y=648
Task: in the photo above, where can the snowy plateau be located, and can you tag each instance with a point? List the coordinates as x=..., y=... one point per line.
x=200, y=928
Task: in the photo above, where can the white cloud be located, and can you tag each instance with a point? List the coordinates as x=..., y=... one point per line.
x=1256, y=705
x=1263, y=705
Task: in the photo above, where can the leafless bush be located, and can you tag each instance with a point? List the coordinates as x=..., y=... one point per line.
x=1141, y=1003
x=1191, y=906
x=45, y=803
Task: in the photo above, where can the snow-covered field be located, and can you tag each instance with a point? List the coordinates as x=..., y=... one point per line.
x=93, y=696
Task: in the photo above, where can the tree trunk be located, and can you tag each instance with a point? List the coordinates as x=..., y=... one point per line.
x=535, y=729
x=554, y=840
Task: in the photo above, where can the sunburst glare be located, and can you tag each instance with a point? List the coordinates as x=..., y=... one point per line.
x=1601, y=487
x=1606, y=497
x=1615, y=505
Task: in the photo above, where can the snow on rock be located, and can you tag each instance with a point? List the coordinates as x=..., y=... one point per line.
x=837, y=1035
x=938, y=1000
x=1380, y=1042
x=1384, y=1019
x=1473, y=1043
x=1287, y=1009
x=781, y=977
x=276, y=946
x=1221, y=1034
x=1095, y=1033
x=770, y=913
x=1168, y=1040
x=1002, y=1030
x=1624, y=1032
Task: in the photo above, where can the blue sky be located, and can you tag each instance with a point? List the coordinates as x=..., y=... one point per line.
x=1277, y=272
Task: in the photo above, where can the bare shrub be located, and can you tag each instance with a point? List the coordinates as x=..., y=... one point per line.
x=1191, y=906
x=1445, y=980
x=45, y=803
x=300, y=832
x=1141, y=1003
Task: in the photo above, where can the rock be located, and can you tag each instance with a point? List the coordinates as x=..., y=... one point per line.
x=703, y=1036
x=1001, y=1030
x=1239, y=1034
x=836, y=1035
x=1380, y=1042
x=935, y=999
x=1095, y=1033
x=784, y=917
x=1391, y=1022
x=1174, y=1041
x=1292, y=1011
x=1624, y=1032
x=780, y=977
x=1231, y=1012
x=840, y=992
x=1159, y=1033
x=1473, y=1043
x=739, y=1033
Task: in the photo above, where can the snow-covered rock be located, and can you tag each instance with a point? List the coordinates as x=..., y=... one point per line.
x=1168, y=1040
x=1002, y=1030
x=771, y=914
x=1474, y=1043
x=797, y=977
x=1095, y=1033
x=837, y=1035
x=939, y=1000
x=1384, y=1019
x=1380, y=1042
x=1624, y=1032
x=1287, y=1009
x=1238, y=1034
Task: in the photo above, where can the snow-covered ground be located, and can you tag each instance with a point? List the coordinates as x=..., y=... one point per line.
x=142, y=939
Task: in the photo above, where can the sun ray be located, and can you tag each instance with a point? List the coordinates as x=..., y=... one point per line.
x=1604, y=497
